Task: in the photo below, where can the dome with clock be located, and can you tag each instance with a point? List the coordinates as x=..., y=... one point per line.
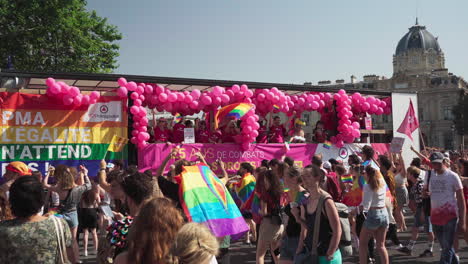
x=418, y=53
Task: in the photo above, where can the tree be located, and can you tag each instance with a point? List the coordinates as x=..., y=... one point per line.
x=460, y=111
x=56, y=36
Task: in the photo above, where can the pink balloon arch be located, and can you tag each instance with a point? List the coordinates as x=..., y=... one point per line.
x=266, y=100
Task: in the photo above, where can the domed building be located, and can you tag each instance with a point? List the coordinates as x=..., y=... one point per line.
x=417, y=53
x=419, y=66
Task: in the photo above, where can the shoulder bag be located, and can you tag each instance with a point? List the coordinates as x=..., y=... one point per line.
x=62, y=249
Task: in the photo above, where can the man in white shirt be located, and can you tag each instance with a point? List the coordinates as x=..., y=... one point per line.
x=447, y=206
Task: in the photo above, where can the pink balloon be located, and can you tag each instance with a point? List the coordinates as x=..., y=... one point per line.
x=356, y=125
x=188, y=99
x=194, y=105
x=356, y=133
x=261, y=97
x=315, y=105
x=172, y=97
x=142, y=128
x=167, y=106
x=254, y=134
x=206, y=100
x=134, y=95
x=225, y=98
x=94, y=95
x=122, y=81
x=217, y=101
x=235, y=88
x=196, y=94
x=134, y=133
x=74, y=91
x=148, y=89
x=365, y=106
x=249, y=93
x=131, y=86
x=180, y=97
x=247, y=129
x=134, y=110
x=122, y=91
x=159, y=89
x=217, y=91
x=255, y=126
x=134, y=139
x=67, y=99
x=77, y=100
x=85, y=100
x=141, y=137
x=50, y=81
x=137, y=102
x=142, y=98
x=162, y=97
x=140, y=89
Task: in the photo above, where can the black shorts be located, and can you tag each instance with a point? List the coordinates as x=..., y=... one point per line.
x=247, y=215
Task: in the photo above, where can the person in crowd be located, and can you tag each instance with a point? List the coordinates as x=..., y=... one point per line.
x=162, y=133
x=420, y=218
x=297, y=133
x=273, y=165
x=320, y=135
x=277, y=131
x=271, y=227
x=194, y=243
x=354, y=160
x=152, y=233
x=334, y=163
x=188, y=124
x=13, y=171
x=5, y=211
x=31, y=237
x=70, y=196
x=289, y=161
x=89, y=216
x=340, y=171
x=330, y=227
x=137, y=189
x=230, y=132
x=297, y=196
x=244, y=189
x=368, y=157
x=329, y=182
x=262, y=132
x=377, y=221
x=118, y=165
x=177, y=135
x=464, y=178
x=329, y=119
x=202, y=133
x=447, y=205
x=401, y=191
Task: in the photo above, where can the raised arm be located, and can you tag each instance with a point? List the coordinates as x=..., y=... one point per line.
x=45, y=182
x=161, y=168
x=419, y=154
x=102, y=177
x=402, y=164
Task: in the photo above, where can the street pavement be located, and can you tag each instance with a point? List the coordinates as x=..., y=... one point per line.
x=241, y=253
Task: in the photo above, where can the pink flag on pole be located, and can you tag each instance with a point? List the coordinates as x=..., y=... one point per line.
x=410, y=123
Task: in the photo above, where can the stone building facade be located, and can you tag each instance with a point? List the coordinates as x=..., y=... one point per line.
x=419, y=66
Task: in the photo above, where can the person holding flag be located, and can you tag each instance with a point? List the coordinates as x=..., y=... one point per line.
x=162, y=133
x=297, y=133
x=178, y=129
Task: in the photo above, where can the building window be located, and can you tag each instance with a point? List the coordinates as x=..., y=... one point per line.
x=447, y=112
x=421, y=114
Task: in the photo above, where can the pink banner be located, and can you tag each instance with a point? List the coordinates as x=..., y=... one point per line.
x=152, y=156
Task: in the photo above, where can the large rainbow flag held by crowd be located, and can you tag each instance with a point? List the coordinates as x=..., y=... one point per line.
x=206, y=200
x=39, y=131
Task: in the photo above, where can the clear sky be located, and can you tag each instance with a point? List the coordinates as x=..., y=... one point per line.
x=291, y=41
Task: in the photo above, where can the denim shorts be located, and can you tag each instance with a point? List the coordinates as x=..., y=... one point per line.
x=427, y=219
x=376, y=218
x=288, y=248
x=71, y=218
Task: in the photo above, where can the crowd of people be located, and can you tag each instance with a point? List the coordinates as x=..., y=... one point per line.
x=322, y=213
x=273, y=131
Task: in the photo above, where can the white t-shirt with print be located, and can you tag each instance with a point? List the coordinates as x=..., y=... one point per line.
x=443, y=189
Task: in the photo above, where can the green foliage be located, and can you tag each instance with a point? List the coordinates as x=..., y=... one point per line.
x=56, y=36
x=460, y=112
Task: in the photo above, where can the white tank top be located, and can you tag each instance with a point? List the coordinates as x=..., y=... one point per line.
x=400, y=181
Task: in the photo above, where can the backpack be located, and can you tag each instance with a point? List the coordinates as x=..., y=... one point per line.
x=345, y=241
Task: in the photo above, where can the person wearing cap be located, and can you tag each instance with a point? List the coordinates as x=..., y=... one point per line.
x=14, y=170
x=161, y=131
x=447, y=205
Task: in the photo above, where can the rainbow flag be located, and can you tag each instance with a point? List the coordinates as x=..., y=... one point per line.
x=354, y=196
x=347, y=178
x=327, y=144
x=245, y=187
x=301, y=198
x=40, y=130
x=177, y=118
x=276, y=107
x=233, y=111
x=206, y=200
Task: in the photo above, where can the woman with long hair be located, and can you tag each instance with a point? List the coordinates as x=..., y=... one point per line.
x=376, y=223
x=194, y=243
x=89, y=216
x=329, y=233
x=297, y=196
x=70, y=196
x=153, y=233
x=230, y=131
x=401, y=191
x=271, y=226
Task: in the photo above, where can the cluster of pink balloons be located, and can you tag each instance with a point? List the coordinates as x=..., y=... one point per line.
x=347, y=131
x=70, y=95
x=250, y=128
x=371, y=104
x=140, y=135
x=266, y=100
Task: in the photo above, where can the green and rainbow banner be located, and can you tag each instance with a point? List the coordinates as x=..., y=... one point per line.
x=41, y=132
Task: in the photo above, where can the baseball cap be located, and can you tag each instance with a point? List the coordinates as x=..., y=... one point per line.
x=437, y=157
x=110, y=165
x=19, y=167
x=327, y=165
